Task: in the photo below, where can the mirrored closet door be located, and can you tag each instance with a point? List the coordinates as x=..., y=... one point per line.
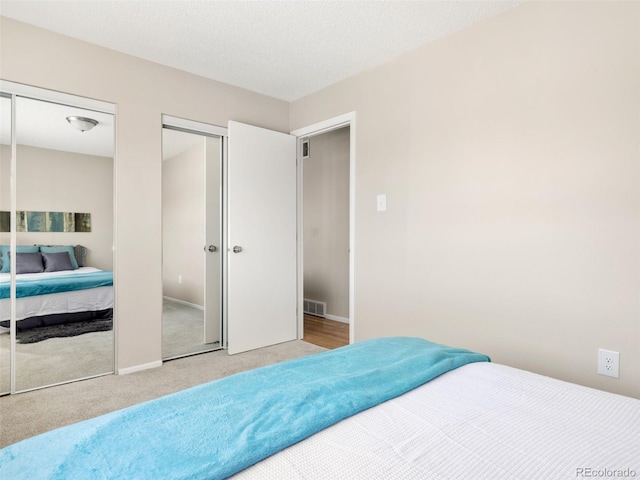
x=191, y=238
x=58, y=317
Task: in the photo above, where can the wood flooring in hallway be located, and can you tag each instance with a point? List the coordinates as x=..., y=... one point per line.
x=325, y=333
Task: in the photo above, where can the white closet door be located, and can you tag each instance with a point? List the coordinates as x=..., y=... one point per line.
x=261, y=276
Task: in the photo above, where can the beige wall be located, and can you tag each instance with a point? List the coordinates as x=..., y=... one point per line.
x=183, y=225
x=55, y=181
x=142, y=92
x=510, y=155
x=326, y=221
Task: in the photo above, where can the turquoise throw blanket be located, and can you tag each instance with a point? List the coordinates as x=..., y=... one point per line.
x=56, y=284
x=217, y=429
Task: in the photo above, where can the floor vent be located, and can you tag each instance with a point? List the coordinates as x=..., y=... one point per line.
x=312, y=307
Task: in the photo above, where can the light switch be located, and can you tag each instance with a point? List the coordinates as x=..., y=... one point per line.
x=382, y=202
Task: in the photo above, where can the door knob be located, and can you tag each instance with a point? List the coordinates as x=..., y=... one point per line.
x=237, y=249
x=212, y=248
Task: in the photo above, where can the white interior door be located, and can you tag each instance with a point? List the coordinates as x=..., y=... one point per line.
x=261, y=229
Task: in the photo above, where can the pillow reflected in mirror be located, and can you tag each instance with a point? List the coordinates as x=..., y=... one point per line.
x=28, y=263
x=56, y=262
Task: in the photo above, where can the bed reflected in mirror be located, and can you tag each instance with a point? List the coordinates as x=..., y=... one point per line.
x=63, y=274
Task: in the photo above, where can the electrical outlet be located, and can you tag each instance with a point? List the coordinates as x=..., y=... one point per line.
x=179, y=279
x=608, y=363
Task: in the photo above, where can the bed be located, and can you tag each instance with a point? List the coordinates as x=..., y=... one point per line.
x=396, y=407
x=54, y=292
x=481, y=421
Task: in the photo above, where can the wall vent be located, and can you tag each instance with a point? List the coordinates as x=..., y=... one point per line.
x=312, y=307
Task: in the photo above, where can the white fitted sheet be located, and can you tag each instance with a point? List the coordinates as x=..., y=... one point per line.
x=480, y=421
x=91, y=299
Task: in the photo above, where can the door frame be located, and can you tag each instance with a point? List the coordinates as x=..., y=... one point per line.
x=334, y=123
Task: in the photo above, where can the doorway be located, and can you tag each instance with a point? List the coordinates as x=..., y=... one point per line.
x=325, y=219
x=252, y=239
x=336, y=138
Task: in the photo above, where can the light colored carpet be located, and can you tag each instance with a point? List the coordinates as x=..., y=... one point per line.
x=30, y=413
x=182, y=330
x=58, y=360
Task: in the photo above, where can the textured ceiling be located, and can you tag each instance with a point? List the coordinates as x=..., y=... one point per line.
x=281, y=48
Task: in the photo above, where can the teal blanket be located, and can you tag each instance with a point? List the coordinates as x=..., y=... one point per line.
x=217, y=429
x=56, y=284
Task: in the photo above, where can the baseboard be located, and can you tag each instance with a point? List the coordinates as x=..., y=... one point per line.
x=175, y=300
x=138, y=368
x=335, y=318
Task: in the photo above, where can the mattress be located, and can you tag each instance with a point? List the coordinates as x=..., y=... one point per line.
x=480, y=421
x=100, y=298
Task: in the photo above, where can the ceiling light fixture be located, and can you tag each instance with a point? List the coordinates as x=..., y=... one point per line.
x=82, y=123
